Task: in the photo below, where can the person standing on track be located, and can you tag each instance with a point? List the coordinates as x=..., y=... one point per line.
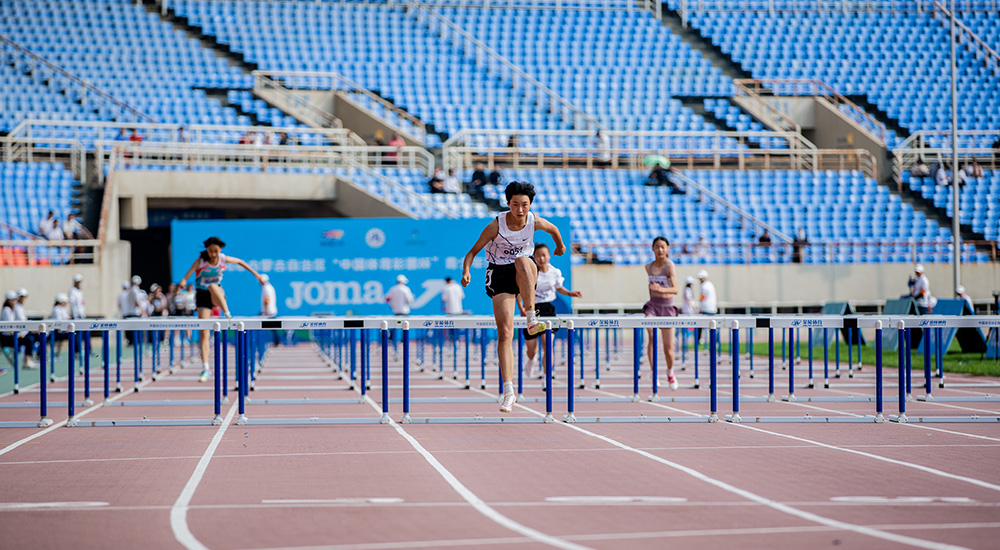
x=509, y=240
x=662, y=289
x=549, y=283
x=208, y=270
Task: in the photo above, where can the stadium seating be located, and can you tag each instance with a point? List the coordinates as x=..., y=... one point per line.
x=979, y=200
x=378, y=46
x=899, y=61
x=622, y=66
x=128, y=52
x=28, y=191
x=833, y=207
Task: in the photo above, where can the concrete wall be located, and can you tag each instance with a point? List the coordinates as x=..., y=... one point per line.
x=101, y=282
x=361, y=121
x=789, y=283
x=135, y=189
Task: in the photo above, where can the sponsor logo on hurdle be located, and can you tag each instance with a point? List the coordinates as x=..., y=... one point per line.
x=807, y=323
x=312, y=324
x=103, y=326
x=603, y=323
x=21, y=326
x=173, y=325
x=926, y=323
x=659, y=323
x=989, y=323
x=439, y=324
x=487, y=324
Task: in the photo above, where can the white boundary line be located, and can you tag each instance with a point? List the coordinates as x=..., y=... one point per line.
x=781, y=507
x=477, y=503
x=62, y=423
x=178, y=513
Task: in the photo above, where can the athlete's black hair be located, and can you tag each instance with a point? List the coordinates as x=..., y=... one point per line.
x=661, y=238
x=214, y=240
x=541, y=245
x=520, y=188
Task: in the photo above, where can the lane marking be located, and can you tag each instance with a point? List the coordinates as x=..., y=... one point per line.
x=477, y=503
x=350, y=501
x=927, y=469
x=8, y=506
x=62, y=423
x=779, y=506
x=903, y=500
x=601, y=500
x=178, y=513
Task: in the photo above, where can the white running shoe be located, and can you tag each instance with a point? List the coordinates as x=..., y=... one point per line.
x=204, y=376
x=507, y=403
x=673, y=382
x=30, y=364
x=536, y=327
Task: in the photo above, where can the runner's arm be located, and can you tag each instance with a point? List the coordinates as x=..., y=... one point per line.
x=245, y=266
x=546, y=226
x=488, y=234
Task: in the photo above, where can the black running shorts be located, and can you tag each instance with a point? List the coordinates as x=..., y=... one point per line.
x=501, y=279
x=203, y=299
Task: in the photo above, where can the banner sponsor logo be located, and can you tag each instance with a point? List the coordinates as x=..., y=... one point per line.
x=603, y=323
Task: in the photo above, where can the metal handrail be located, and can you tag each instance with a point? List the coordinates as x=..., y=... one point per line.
x=720, y=159
x=764, y=111
x=63, y=251
x=349, y=85
x=321, y=118
x=123, y=157
x=816, y=88
x=555, y=102
x=35, y=58
x=743, y=214
x=990, y=55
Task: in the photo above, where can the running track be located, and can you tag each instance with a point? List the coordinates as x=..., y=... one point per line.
x=532, y=485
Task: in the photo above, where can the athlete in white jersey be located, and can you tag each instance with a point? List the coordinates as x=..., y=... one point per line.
x=550, y=283
x=208, y=269
x=509, y=241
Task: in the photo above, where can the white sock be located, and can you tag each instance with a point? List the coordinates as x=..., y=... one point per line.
x=670, y=373
x=531, y=316
x=508, y=388
x=204, y=365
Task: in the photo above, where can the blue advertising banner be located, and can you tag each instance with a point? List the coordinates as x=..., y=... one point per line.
x=344, y=266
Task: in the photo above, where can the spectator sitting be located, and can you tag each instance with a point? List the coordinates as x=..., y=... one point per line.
x=45, y=226
x=380, y=140
x=183, y=136
x=451, y=183
x=603, y=145
x=974, y=169
x=495, y=178
x=657, y=177
x=436, y=183
x=800, y=242
x=398, y=142
x=920, y=170
x=765, y=238
x=135, y=138
x=477, y=182
x=55, y=232
x=941, y=175
x=512, y=142
x=73, y=229
x=121, y=135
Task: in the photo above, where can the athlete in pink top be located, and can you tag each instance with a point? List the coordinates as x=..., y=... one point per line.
x=662, y=288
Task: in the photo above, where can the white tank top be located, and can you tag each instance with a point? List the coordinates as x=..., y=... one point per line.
x=509, y=245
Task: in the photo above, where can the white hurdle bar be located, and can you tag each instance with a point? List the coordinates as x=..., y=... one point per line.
x=245, y=367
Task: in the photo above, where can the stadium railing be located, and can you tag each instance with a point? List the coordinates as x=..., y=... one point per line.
x=757, y=89
x=974, y=42
x=500, y=67
x=15, y=54
x=13, y=149
x=843, y=6
x=908, y=251
x=935, y=146
x=187, y=156
x=295, y=104
x=286, y=82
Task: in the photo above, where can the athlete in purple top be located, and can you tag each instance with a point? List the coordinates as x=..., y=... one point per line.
x=662, y=288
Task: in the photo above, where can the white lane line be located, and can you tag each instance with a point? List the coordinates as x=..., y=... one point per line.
x=62, y=423
x=779, y=506
x=473, y=543
x=350, y=501
x=927, y=469
x=178, y=513
x=902, y=500
x=479, y=504
x=8, y=506
x=602, y=500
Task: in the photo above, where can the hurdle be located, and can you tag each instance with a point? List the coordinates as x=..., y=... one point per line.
x=250, y=349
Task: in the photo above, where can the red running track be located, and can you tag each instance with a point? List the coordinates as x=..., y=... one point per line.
x=602, y=486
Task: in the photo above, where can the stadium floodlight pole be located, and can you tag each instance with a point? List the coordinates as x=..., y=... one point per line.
x=956, y=238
